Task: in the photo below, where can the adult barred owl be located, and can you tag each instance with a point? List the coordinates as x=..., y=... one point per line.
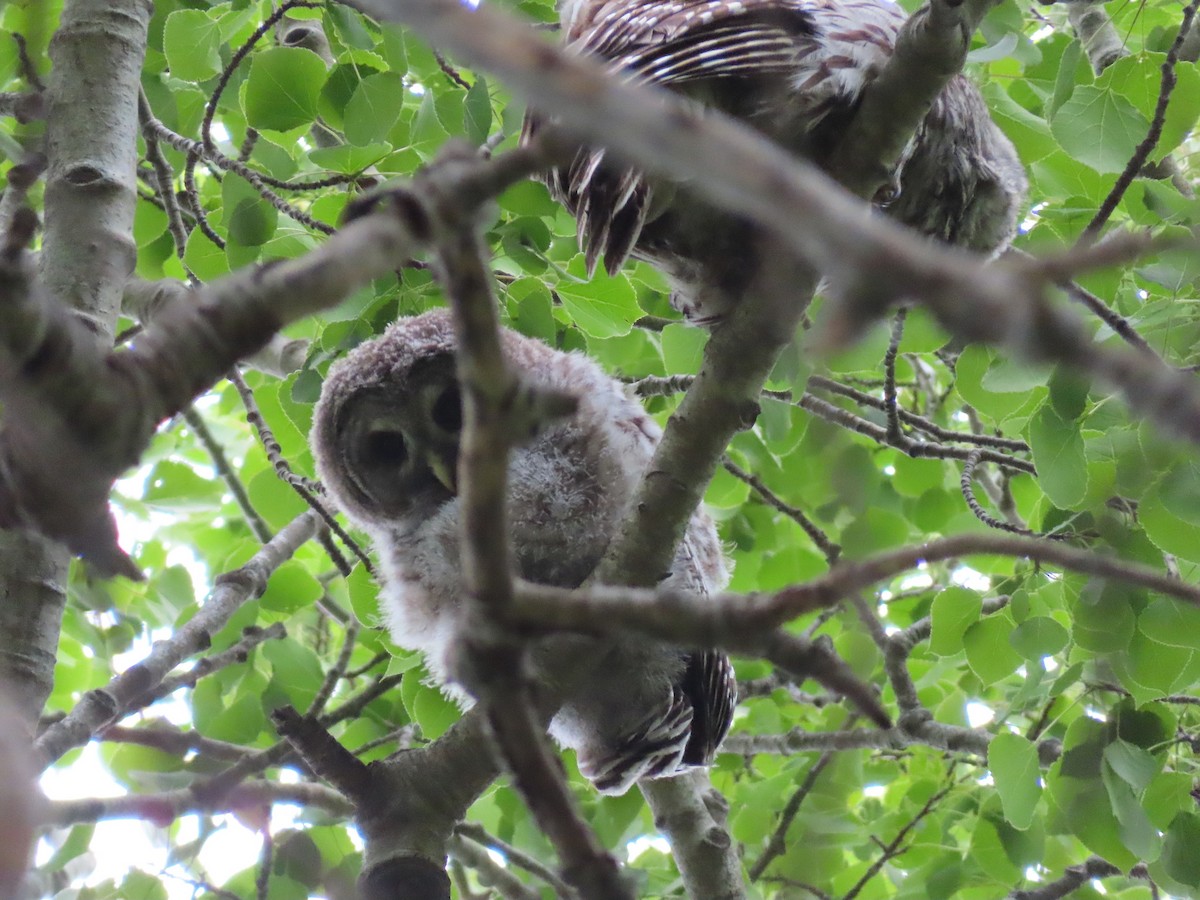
x=386, y=436
x=795, y=70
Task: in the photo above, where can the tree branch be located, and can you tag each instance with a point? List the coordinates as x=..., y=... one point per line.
x=1141, y=153
x=163, y=808
x=724, y=620
x=692, y=815
x=496, y=409
x=97, y=412
x=99, y=707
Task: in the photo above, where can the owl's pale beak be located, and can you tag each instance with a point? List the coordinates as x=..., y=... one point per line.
x=444, y=470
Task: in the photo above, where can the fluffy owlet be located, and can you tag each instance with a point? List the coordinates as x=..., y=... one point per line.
x=794, y=70
x=386, y=435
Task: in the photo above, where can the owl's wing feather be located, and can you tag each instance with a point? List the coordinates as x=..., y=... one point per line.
x=711, y=688
x=686, y=731
x=825, y=48
x=655, y=747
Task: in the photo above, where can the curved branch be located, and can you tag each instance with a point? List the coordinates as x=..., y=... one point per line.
x=726, y=620
x=99, y=707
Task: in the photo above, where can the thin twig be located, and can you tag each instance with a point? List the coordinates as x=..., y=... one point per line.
x=968, y=492
x=1143, y=150
x=894, y=433
x=815, y=534
x=777, y=843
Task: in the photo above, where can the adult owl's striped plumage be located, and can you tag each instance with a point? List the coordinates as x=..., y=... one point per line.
x=795, y=70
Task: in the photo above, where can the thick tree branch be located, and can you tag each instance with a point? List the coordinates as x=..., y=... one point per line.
x=97, y=53
x=725, y=620
x=692, y=815
x=1101, y=41
x=930, y=50
x=496, y=409
x=722, y=401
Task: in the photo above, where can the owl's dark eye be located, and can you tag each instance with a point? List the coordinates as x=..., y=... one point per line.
x=384, y=448
x=447, y=410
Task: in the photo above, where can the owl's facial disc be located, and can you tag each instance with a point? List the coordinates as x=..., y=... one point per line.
x=401, y=448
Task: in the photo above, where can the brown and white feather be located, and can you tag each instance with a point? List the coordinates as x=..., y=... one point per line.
x=795, y=70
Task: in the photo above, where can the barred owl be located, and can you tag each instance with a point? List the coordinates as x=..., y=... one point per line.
x=794, y=70
x=385, y=437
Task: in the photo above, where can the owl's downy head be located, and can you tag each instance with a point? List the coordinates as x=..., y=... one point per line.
x=386, y=429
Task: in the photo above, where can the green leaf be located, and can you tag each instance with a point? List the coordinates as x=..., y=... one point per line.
x=250, y=219
x=428, y=133
x=297, y=670
x=1099, y=128
x=1135, y=829
x=291, y=587
x=373, y=109
x=347, y=159
x=1103, y=619
x=1133, y=765
x=426, y=705
x=1171, y=622
x=1179, y=855
x=76, y=843
x=275, y=501
x=1080, y=806
x=604, y=307
x=139, y=885
x=1168, y=532
x=282, y=89
x=364, y=596
x=914, y=477
x=1180, y=491
x=989, y=651
x=1169, y=794
x=242, y=720
x=1059, y=456
x=204, y=258
x=1068, y=393
x=1013, y=762
x=1039, y=636
x=477, y=112
x=1006, y=375
x=349, y=27
x=953, y=611
x=528, y=198
x=875, y=530
x=178, y=486
x=1156, y=666
x=192, y=42
x=970, y=371
x=682, y=348
x=1072, y=68
x=1138, y=79
x=987, y=852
